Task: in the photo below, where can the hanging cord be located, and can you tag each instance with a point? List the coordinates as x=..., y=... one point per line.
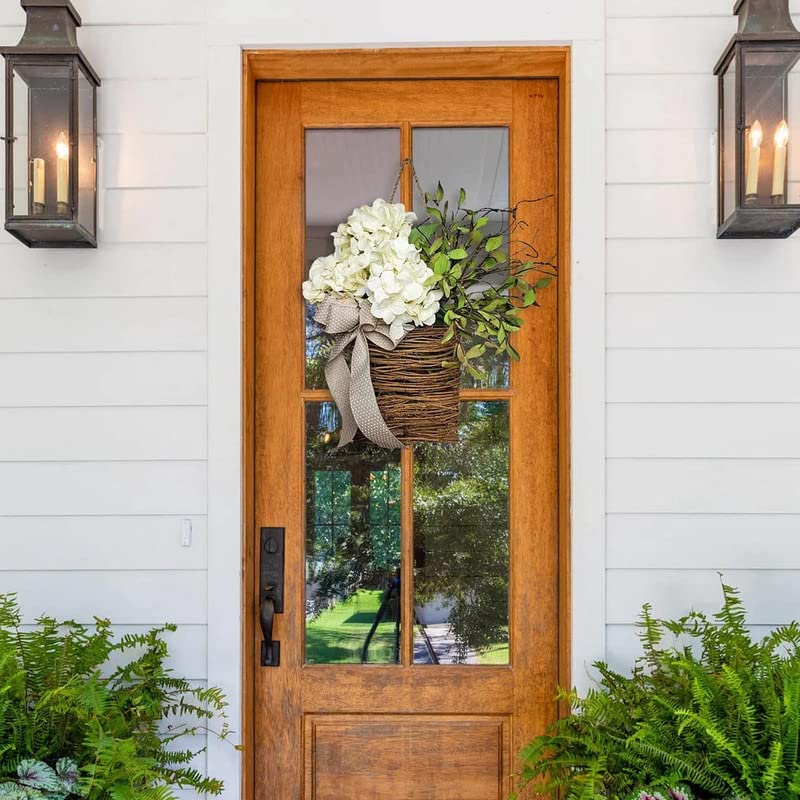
x=407, y=162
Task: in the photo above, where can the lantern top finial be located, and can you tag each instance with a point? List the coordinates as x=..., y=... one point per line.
x=764, y=16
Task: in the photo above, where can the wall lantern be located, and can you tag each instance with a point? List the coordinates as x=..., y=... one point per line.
x=759, y=104
x=51, y=131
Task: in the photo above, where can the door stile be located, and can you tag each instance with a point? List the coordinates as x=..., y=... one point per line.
x=534, y=479
x=279, y=376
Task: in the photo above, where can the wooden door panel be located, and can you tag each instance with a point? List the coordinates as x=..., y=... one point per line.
x=413, y=732
x=338, y=103
x=412, y=757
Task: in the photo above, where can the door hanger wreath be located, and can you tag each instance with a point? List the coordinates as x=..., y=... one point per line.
x=409, y=307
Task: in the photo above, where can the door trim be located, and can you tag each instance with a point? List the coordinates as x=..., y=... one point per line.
x=417, y=63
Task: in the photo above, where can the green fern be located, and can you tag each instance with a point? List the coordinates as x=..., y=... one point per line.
x=715, y=712
x=125, y=726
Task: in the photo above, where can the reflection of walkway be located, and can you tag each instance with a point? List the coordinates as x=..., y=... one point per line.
x=440, y=647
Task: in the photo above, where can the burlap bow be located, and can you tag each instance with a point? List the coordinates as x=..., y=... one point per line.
x=352, y=388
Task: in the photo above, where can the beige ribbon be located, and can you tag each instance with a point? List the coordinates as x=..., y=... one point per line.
x=348, y=321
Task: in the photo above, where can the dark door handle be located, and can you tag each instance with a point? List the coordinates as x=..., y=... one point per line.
x=271, y=592
x=270, y=649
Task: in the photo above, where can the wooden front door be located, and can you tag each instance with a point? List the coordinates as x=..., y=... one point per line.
x=419, y=638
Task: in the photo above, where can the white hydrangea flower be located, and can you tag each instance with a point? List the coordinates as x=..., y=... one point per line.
x=341, y=278
x=374, y=258
x=401, y=293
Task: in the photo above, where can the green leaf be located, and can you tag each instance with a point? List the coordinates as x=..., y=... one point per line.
x=462, y=196
x=543, y=283
x=440, y=264
x=439, y=192
x=476, y=351
x=457, y=254
x=434, y=212
x=475, y=372
x=493, y=243
x=480, y=222
x=529, y=298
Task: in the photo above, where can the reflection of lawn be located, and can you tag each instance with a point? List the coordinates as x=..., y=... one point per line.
x=337, y=635
x=496, y=654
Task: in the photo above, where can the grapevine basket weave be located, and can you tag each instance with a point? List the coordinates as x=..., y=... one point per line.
x=417, y=396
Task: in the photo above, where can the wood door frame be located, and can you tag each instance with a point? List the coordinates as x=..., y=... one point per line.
x=377, y=64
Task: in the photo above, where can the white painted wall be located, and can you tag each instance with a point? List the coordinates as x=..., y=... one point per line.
x=119, y=374
x=703, y=344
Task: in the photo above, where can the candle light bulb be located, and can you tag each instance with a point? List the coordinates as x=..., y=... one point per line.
x=756, y=134
x=62, y=174
x=779, y=166
x=782, y=134
x=62, y=146
x=755, y=137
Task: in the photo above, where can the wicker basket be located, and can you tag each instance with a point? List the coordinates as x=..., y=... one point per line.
x=417, y=396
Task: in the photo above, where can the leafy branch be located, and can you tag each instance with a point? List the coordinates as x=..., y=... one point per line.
x=475, y=257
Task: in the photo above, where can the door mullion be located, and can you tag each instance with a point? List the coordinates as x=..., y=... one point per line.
x=407, y=460
x=407, y=556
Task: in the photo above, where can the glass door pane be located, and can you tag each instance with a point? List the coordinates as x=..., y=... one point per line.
x=345, y=168
x=476, y=160
x=461, y=537
x=352, y=546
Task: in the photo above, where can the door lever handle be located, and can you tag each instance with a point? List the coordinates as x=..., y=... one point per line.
x=271, y=592
x=270, y=649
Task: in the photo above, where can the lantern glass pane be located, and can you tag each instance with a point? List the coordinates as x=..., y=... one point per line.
x=42, y=95
x=728, y=140
x=19, y=156
x=770, y=77
x=87, y=161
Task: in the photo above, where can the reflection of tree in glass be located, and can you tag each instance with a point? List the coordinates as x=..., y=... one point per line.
x=461, y=527
x=364, y=553
x=318, y=347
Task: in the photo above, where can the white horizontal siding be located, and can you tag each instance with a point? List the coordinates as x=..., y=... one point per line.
x=113, y=270
x=665, y=102
x=661, y=211
x=730, y=430
x=656, y=156
x=703, y=320
x=678, y=8
x=703, y=370
x=102, y=324
x=119, y=12
x=715, y=541
x=710, y=486
x=152, y=215
x=152, y=106
x=174, y=433
x=127, y=597
x=153, y=161
x=769, y=595
x=100, y=379
x=102, y=543
x=703, y=265
x=672, y=46
x=703, y=376
x=146, y=51
x=107, y=488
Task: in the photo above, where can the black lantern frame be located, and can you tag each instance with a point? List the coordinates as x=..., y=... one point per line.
x=60, y=93
x=753, y=83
